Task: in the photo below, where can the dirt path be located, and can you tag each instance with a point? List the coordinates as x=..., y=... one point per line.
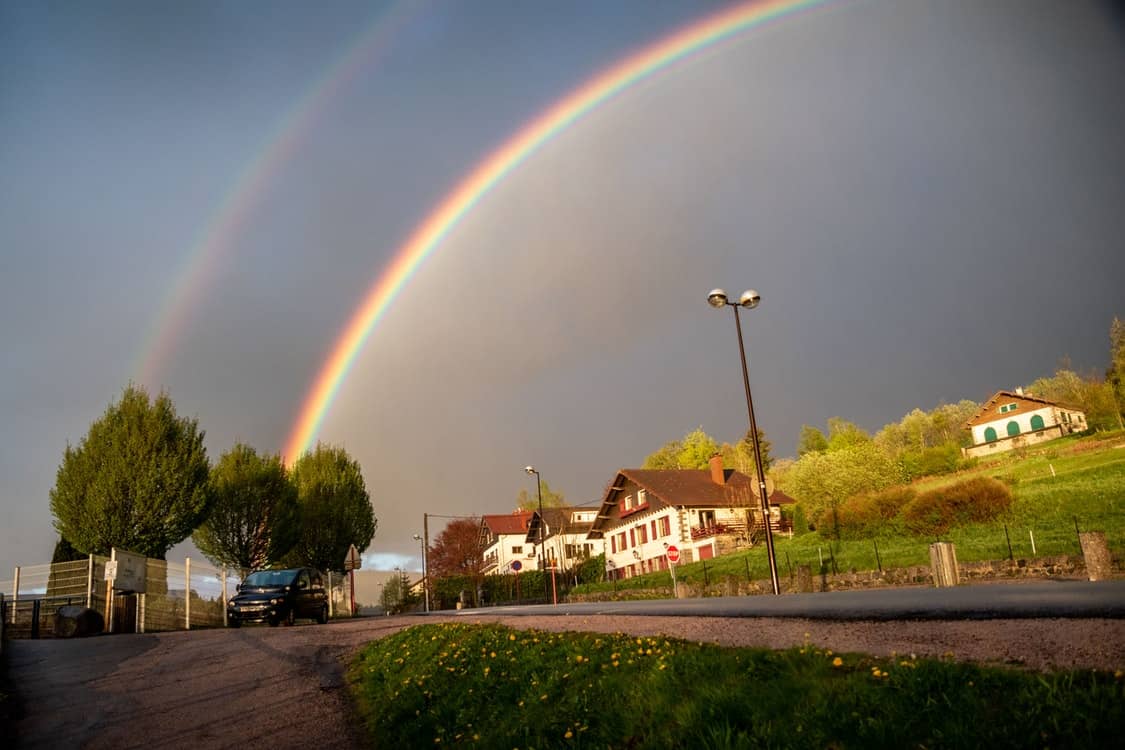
x=284, y=687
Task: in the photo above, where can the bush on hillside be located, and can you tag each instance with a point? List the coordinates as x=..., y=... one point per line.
x=971, y=501
x=867, y=515
x=940, y=459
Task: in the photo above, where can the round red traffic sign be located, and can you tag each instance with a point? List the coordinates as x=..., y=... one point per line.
x=673, y=553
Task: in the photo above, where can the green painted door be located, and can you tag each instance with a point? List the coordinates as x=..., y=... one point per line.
x=1013, y=428
x=990, y=434
x=1037, y=421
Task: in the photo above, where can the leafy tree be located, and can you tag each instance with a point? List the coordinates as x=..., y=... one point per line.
x=456, y=550
x=65, y=552
x=740, y=456
x=1115, y=375
x=138, y=480
x=529, y=499
x=1090, y=393
x=844, y=434
x=396, y=595
x=693, y=451
x=334, y=508
x=254, y=519
x=811, y=440
x=822, y=481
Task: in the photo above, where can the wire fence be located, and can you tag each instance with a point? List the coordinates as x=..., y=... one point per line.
x=171, y=596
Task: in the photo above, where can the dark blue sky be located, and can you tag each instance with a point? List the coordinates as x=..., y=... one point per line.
x=926, y=194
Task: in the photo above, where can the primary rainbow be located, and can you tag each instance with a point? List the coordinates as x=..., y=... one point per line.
x=429, y=234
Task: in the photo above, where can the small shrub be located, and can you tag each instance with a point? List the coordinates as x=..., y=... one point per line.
x=971, y=501
x=866, y=515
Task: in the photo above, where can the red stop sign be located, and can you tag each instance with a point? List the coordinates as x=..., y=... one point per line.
x=673, y=553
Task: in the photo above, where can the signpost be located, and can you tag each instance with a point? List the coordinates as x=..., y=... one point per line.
x=516, y=566
x=352, y=563
x=673, y=558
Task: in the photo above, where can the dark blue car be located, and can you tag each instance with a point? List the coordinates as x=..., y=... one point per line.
x=279, y=596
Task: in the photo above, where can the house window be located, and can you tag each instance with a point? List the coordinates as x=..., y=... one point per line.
x=517, y=549
x=665, y=526
x=628, y=502
x=1013, y=428
x=990, y=435
x=641, y=499
x=1008, y=407
x=642, y=533
x=613, y=545
x=1037, y=422
x=621, y=542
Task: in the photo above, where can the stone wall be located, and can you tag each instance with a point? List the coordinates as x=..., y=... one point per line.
x=1059, y=566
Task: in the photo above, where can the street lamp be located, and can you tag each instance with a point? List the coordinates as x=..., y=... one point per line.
x=542, y=560
x=425, y=573
x=750, y=299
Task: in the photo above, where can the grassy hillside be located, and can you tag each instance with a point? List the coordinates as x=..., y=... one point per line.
x=1055, y=485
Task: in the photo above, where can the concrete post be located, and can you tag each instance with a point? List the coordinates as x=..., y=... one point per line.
x=187, y=593
x=804, y=579
x=15, y=594
x=943, y=564
x=224, y=595
x=1099, y=565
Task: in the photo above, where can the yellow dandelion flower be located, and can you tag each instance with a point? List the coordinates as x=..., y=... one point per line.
x=1118, y=674
x=543, y=697
x=512, y=637
x=616, y=663
x=837, y=662
x=568, y=734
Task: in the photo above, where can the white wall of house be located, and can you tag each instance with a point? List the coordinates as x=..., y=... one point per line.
x=1057, y=421
x=499, y=556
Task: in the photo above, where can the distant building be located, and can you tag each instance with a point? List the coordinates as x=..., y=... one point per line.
x=704, y=513
x=1014, y=419
x=565, y=529
x=503, y=541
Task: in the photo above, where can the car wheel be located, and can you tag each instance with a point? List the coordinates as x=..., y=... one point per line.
x=274, y=621
x=322, y=616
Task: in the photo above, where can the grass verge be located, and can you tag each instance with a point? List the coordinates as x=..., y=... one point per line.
x=488, y=686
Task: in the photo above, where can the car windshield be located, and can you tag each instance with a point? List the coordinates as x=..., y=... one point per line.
x=270, y=578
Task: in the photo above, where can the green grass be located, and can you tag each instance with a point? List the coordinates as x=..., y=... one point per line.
x=488, y=686
x=1088, y=484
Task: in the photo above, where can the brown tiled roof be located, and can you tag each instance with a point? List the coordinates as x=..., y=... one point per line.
x=690, y=488
x=989, y=411
x=507, y=523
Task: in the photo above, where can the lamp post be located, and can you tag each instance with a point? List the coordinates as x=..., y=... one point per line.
x=542, y=557
x=717, y=298
x=425, y=573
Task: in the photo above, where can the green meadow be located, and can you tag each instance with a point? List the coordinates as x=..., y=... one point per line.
x=488, y=686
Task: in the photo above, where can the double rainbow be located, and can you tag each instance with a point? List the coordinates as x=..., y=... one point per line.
x=488, y=173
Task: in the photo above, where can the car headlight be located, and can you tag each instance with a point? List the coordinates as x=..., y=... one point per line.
x=277, y=600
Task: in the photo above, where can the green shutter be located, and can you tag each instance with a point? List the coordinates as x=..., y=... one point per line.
x=1013, y=428
x=989, y=435
x=1037, y=421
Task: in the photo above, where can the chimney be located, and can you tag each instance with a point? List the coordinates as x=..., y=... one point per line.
x=1019, y=390
x=717, y=475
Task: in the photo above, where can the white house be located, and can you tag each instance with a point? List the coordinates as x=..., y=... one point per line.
x=702, y=512
x=1014, y=419
x=565, y=542
x=502, y=539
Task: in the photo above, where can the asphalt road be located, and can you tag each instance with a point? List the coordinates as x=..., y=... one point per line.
x=286, y=687
x=1039, y=599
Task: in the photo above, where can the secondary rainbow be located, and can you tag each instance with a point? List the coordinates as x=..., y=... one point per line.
x=253, y=181
x=429, y=234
